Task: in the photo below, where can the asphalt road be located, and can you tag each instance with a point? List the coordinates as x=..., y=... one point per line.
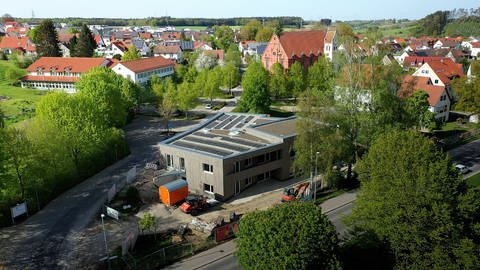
x=468, y=155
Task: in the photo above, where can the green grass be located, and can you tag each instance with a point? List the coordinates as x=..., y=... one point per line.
x=20, y=104
x=474, y=181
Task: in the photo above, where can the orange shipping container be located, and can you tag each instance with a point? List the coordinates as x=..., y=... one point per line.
x=173, y=192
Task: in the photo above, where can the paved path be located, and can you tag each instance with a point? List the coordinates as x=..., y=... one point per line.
x=468, y=155
x=49, y=239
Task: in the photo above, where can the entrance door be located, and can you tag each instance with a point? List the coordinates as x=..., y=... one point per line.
x=237, y=187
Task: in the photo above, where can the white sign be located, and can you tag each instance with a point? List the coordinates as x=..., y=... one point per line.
x=112, y=213
x=19, y=210
x=151, y=165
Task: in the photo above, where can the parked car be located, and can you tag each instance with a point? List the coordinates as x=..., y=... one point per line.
x=462, y=168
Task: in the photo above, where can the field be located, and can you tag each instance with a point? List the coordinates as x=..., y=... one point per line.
x=16, y=103
x=474, y=181
x=388, y=28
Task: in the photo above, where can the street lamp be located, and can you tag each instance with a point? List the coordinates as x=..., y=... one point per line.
x=316, y=173
x=105, y=239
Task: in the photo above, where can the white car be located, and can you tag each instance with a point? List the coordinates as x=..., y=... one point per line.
x=462, y=168
x=208, y=106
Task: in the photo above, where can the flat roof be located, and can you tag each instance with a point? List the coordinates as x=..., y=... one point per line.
x=229, y=134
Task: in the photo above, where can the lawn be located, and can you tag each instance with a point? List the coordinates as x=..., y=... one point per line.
x=17, y=103
x=474, y=181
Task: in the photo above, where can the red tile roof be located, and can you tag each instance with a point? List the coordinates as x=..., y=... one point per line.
x=302, y=42
x=422, y=83
x=18, y=30
x=50, y=78
x=329, y=37
x=198, y=44
x=145, y=64
x=446, y=70
x=219, y=54
x=161, y=49
x=416, y=61
x=145, y=35
x=475, y=44
x=23, y=43
x=121, y=45
x=65, y=37
x=73, y=64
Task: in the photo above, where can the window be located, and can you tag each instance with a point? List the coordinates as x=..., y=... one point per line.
x=207, y=168
x=208, y=188
x=182, y=164
x=248, y=181
x=169, y=161
x=237, y=166
x=436, y=81
x=248, y=162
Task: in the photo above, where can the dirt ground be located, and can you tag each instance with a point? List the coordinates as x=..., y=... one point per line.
x=260, y=196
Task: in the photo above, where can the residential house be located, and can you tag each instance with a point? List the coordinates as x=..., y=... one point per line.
x=141, y=70
x=255, y=49
x=330, y=44
x=418, y=61
x=117, y=48
x=60, y=72
x=218, y=54
x=22, y=44
x=446, y=43
x=438, y=96
x=230, y=152
x=173, y=52
x=203, y=46
x=296, y=46
x=142, y=47
x=243, y=45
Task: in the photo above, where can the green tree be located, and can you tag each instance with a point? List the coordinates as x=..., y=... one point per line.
x=433, y=24
x=148, y=223
x=103, y=87
x=233, y=56
x=264, y=34
x=205, y=60
x=320, y=75
x=46, y=40
x=169, y=103
x=416, y=107
x=187, y=97
x=72, y=45
x=296, y=80
x=277, y=27
x=467, y=93
x=131, y=54
x=409, y=197
x=223, y=36
x=278, y=82
x=250, y=30
x=231, y=76
x=86, y=44
x=289, y=236
x=256, y=95
x=213, y=83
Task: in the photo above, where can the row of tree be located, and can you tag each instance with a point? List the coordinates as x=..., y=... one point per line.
x=70, y=138
x=261, y=32
x=458, y=22
x=413, y=212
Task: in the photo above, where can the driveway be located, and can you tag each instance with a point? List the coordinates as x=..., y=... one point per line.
x=48, y=239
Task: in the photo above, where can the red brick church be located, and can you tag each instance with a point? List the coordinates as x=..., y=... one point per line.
x=298, y=46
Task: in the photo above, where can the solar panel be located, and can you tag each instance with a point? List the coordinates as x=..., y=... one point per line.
x=223, y=117
x=216, y=143
x=233, y=123
x=228, y=139
x=202, y=148
x=242, y=142
x=212, y=124
x=225, y=122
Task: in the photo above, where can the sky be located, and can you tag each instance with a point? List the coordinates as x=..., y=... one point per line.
x=307, y=9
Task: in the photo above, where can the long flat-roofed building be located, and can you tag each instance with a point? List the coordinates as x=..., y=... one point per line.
x=231, y=151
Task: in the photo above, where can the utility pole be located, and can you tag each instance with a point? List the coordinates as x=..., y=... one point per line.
x=105, y=239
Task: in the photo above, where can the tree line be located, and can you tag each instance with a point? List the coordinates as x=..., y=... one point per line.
x=169, y=21
x=457, y=22
x=70, y=138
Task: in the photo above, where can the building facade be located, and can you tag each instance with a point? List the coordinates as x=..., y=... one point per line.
x=141, y=70
x=230, y=152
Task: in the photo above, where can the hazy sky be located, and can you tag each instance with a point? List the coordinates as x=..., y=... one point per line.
x=308, y=9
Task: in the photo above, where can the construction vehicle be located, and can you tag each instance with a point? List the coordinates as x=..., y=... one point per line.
x=195, y=204
x=302, y=191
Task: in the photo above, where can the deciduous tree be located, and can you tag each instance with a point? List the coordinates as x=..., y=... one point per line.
x=233, y=56
x=256, y=95
x=277, y=82
x=131, y=54
x=289, y=236
x=187, y=97
x=296, y=80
